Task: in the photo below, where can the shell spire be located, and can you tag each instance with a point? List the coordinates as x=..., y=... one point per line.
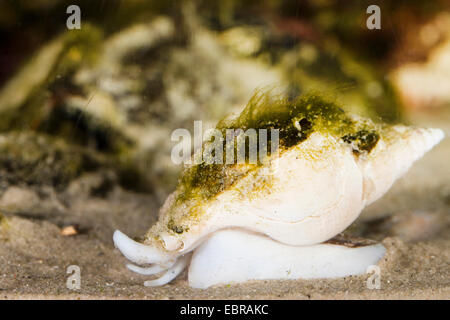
x=394, y=154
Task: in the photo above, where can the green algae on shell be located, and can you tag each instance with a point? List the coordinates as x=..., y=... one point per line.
x=296, y=119
x=363, y=140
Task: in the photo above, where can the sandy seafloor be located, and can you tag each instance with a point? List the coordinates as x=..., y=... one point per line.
x=412, y=221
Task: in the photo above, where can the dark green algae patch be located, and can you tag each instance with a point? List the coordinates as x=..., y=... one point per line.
x=295, y=119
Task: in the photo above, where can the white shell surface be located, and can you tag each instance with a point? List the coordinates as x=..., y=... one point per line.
x=319, y=188
x=311, y=179
x=315, y=193
x=233, y=256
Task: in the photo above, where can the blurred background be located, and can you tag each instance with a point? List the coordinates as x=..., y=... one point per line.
x=86, y=118
x=108, y=96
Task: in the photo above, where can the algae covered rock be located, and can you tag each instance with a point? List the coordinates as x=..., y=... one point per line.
x=125, y=99
x=24, y=98
x=27, y=158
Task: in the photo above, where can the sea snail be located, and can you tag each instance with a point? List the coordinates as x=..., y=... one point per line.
x=234, y=222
